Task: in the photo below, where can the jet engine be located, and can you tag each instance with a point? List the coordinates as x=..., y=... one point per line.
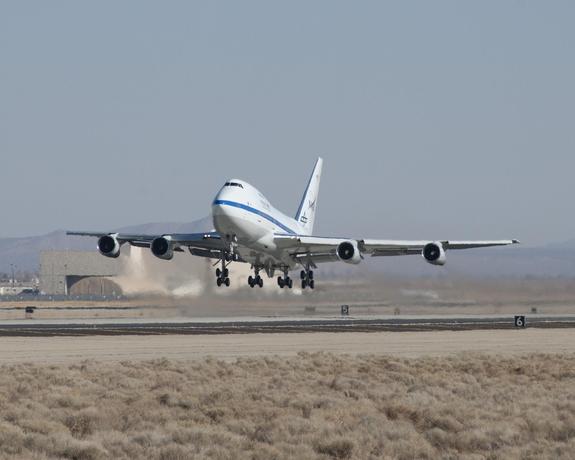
x=348, y=252
x=162, y=247
x=434, y=253
x=109, y=246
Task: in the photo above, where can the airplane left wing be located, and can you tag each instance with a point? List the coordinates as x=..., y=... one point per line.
x=399, y=248
x=313, y=249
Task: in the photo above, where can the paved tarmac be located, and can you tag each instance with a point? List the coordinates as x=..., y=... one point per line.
x=248, y=325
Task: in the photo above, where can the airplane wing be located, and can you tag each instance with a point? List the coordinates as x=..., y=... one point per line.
x=313, y=249
x=208, y=244
x=399, y=248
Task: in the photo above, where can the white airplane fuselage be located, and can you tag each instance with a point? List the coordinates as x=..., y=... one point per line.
x=243, y=215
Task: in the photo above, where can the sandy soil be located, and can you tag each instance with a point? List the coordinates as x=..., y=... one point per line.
x=229, y=347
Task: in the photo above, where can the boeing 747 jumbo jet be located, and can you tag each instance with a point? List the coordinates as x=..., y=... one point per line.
x=249, y=229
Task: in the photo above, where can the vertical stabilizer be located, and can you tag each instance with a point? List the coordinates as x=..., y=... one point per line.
x=306, y=211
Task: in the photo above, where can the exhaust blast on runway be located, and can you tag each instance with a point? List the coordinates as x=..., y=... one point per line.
x=184, y=277
x=144, y=274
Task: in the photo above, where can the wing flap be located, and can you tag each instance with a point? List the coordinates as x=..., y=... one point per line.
x=313, y=258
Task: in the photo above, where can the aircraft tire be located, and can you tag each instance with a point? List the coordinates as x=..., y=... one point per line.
x=303, y=284
x=311, y=284
x=219, y=282
x=260, y=282
x=310, y=275
x=227, y=282
x=290, y=283
x=218, y=272
x=302, y=275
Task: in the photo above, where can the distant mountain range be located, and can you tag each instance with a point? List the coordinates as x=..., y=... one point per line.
x=24, y=252
x=551, y=261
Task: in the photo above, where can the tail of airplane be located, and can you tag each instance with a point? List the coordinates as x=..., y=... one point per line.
x=306, y=211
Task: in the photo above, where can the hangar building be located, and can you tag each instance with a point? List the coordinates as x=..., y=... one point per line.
x=78, y=273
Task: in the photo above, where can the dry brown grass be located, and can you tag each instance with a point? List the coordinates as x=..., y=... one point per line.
x=309, y=406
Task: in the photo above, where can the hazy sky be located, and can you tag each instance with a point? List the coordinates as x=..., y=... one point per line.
x=435, y=119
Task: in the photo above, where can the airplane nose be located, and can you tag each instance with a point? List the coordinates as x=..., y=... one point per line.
x=218, y=206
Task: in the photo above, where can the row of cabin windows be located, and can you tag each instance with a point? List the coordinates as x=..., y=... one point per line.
x=233, y=184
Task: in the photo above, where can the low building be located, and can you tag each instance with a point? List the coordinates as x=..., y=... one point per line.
x=78, y=272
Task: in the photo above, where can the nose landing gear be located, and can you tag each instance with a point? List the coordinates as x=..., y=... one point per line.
x=222, y=275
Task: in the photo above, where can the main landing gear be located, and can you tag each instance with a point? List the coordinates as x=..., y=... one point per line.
x=222, y=274
x=307, y=279
x=285, y=281
x=256, y=280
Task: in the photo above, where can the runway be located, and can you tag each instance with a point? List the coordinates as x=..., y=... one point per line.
x=61, y=341
x=251, y=325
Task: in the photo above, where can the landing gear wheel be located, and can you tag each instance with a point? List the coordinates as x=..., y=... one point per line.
x=307, y=278
x=290, y=283
x=222, y=273
x=260, y=281
x=280, y=282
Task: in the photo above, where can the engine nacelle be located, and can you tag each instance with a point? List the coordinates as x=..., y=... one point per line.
x=162, y=247
x=348, y=252
x=109, y=246
x=434, y=253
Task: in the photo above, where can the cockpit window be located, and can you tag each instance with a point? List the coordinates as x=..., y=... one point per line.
x=233, y=184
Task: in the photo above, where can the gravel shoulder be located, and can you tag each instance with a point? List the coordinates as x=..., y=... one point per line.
x=229, y=347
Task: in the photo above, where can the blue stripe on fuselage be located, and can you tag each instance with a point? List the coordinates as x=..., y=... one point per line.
x=255, y=211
